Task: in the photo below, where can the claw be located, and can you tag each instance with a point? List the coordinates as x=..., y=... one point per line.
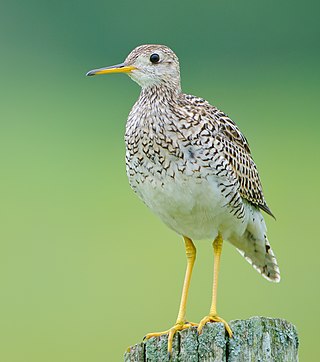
x=192, y=324
x=171, y=333
x=214, y=319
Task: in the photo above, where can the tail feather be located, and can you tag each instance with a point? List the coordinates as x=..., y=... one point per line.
x=263, y=260
x=254, y=246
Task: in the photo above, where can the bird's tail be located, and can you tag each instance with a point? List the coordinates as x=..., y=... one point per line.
x=254, y=246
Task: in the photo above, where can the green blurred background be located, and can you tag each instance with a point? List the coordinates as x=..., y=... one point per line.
x=85, y=268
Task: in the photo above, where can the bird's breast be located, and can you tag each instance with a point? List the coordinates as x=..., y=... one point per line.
x=178, y=184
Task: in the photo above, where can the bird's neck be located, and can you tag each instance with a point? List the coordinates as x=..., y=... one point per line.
x=154, y=101
x=160, y=93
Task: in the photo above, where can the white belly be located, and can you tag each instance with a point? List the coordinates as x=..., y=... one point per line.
x=191, y=206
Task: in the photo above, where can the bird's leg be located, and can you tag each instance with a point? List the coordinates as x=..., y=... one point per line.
x=181, y=322
x=213, y=316
x=191, y=257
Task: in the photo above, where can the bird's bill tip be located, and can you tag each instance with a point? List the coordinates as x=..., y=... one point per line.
x=119, y=68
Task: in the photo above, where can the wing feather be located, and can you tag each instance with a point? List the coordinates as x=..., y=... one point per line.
x=237, y=151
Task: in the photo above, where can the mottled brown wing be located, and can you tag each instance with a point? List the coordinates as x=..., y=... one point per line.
x=237, y=152
x=235, y=147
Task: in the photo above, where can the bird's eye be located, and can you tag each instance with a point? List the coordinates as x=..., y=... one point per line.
x=154, y=58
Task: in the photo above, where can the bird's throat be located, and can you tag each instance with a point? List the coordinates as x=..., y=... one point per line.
x=162, y=93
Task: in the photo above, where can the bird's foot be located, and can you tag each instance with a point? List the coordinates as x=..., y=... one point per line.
x=179, y=326
x=214, y=318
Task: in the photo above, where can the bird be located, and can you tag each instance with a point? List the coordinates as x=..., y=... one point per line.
x=193, y=167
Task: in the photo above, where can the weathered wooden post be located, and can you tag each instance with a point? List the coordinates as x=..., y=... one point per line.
x=257, y=339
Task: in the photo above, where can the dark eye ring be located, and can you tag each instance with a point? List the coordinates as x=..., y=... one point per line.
x=154, y=58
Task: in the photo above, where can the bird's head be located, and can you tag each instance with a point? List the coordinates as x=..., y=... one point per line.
x=148, y=65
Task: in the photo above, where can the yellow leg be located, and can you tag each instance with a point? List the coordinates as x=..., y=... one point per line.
x=191, y=257
x=181, y=322
x=213, y=316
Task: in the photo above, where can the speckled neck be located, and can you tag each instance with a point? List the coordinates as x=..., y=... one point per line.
x=160, y=93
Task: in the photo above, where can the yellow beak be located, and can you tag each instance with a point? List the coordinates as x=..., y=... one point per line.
x=119, y=68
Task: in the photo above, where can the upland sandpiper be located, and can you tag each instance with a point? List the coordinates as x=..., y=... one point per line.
x=191, y=165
